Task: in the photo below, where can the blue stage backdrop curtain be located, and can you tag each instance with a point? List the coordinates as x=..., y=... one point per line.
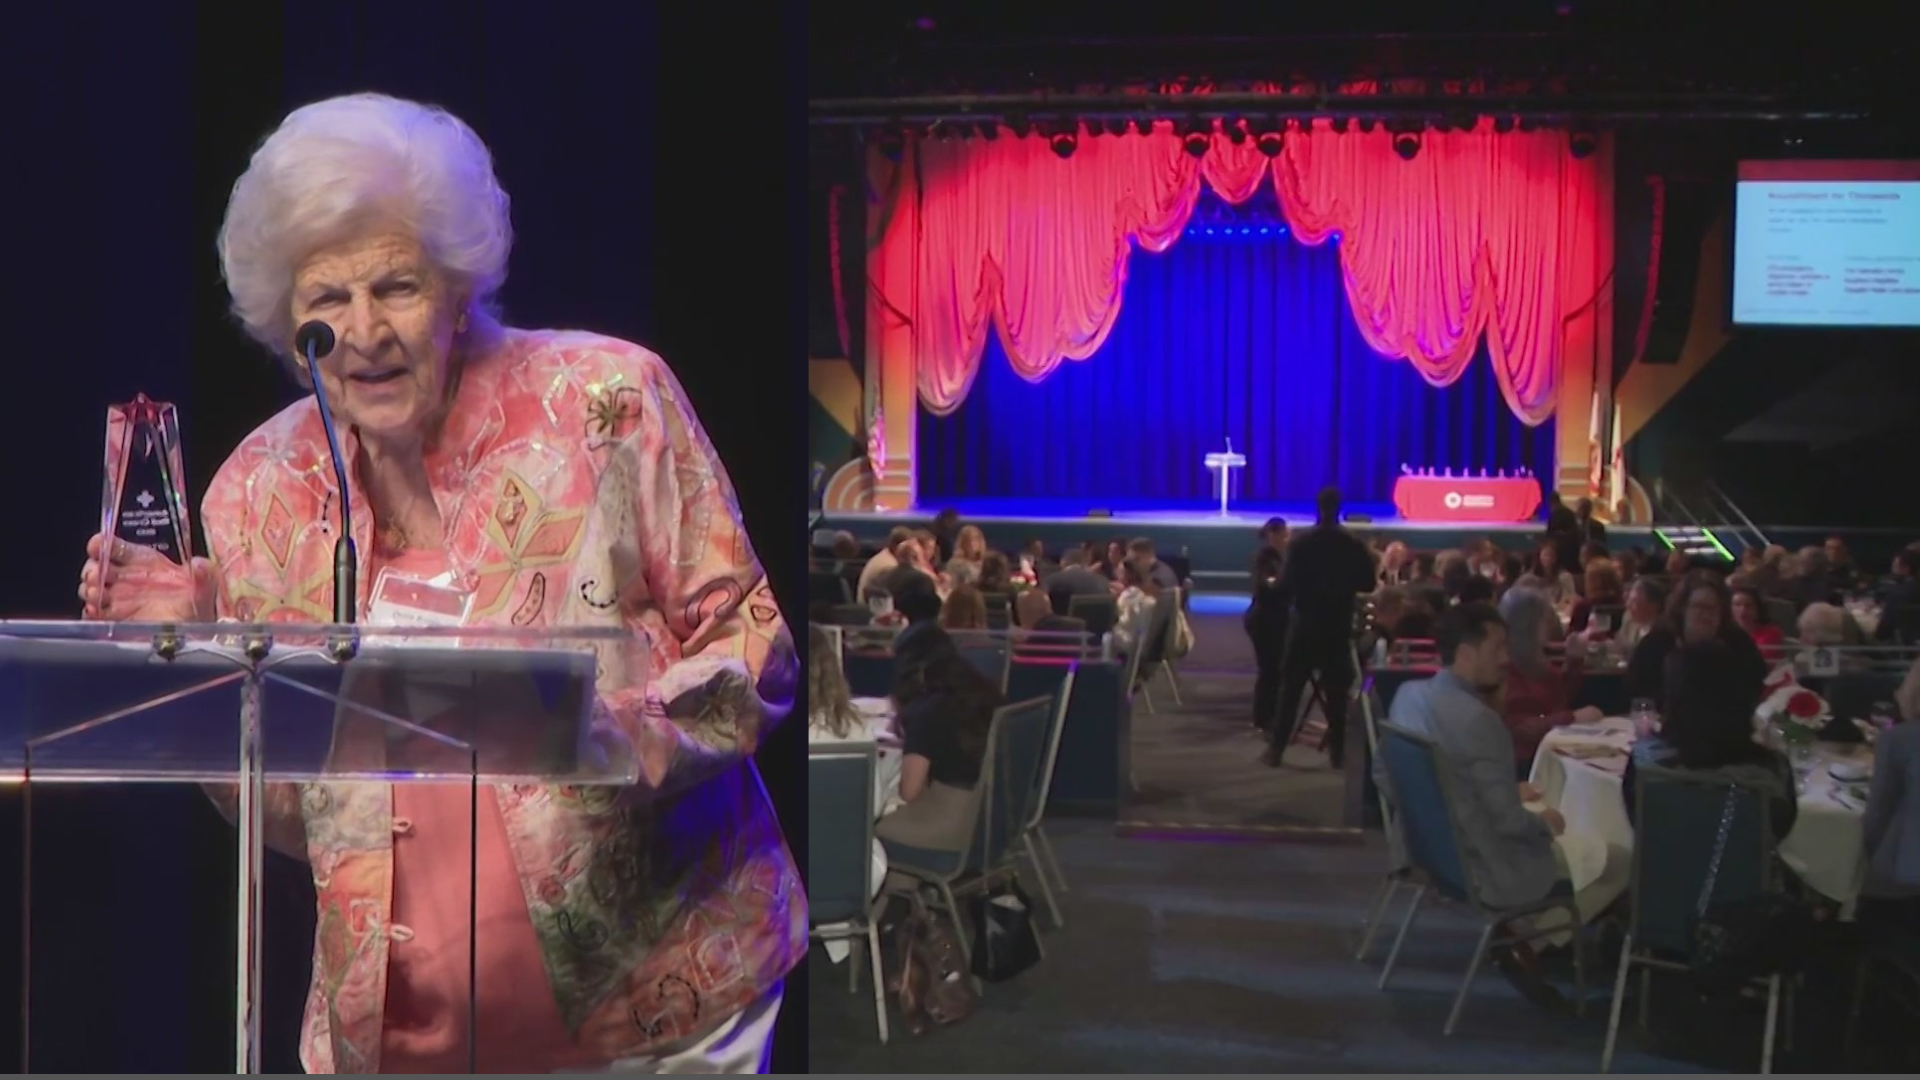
x=1235, y=332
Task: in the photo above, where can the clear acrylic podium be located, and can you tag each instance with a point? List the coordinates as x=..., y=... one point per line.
x=239, y=706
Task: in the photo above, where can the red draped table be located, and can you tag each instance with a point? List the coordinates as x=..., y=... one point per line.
x=1466, y=498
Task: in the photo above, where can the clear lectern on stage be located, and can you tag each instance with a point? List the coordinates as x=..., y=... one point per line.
x=243, y=706
x=1225, y=481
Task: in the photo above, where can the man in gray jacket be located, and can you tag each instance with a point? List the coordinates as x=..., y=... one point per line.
x=1508, y=848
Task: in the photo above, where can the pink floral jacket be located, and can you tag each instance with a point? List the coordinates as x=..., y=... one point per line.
x=576, y=488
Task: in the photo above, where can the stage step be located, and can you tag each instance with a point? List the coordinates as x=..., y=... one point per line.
x=1695, y=540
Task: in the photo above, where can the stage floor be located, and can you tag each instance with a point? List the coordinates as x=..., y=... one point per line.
x=1239, y=516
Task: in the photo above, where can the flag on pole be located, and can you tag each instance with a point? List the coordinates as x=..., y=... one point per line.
x=877, y=446
x=1595, y=456
x=1617, y=488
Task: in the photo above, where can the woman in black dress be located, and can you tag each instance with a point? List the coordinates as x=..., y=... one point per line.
x=1267, y=620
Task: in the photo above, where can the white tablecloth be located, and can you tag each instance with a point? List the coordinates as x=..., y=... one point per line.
x=1826, y=849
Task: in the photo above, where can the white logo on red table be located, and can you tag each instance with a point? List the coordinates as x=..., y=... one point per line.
x=1456, y=501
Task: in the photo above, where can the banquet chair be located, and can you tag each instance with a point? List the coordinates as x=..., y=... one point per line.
x=990, y=654
x=840, y=885
x=1155, y=643
x=1100, y=613
x=1425, y=799
x=999, y=806
x=1398, y=871
x=1038, y=846
x=1670, y=866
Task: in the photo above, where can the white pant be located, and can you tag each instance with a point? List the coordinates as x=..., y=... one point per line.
x=740, y=1045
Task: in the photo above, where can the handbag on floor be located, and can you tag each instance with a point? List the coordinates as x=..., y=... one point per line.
x=1005, y=940
x=930, y=982
x=1738, y=940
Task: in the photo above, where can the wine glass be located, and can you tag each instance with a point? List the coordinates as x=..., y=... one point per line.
x=1646, y=717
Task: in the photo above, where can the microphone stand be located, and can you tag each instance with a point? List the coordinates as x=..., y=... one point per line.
x=346, y=564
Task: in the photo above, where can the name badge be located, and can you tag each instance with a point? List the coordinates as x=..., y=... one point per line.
x=402, y=599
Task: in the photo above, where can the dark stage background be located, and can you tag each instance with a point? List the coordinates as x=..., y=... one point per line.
x=1236, y=331
x=644, y=146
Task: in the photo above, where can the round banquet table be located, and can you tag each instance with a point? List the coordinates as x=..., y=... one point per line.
x=1578, y=771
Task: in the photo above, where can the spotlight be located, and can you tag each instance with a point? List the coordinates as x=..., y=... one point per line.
x=1582, y=144
x=1064, y=141
x=1198, y=138
x=1268, y=135
x=1406, y=138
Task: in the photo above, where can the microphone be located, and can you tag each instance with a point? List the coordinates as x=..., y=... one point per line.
x=314, y=340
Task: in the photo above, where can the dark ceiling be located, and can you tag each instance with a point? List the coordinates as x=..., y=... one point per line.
x=881, y=50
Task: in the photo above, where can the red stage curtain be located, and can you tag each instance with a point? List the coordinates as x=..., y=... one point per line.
x=1480, y=232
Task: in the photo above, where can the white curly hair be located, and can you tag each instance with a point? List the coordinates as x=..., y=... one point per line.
x=336, y=169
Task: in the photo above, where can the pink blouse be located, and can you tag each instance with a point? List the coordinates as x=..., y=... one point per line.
x=425, y=1029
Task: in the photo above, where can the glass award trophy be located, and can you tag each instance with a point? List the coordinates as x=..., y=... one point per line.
x=144, y=499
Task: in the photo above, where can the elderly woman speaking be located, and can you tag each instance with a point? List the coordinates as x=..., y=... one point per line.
x=554, y=478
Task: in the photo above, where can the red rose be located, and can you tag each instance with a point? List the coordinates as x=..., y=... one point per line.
x=1805, y=705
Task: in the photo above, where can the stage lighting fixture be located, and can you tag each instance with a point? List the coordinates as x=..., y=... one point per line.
x=1198, y=138
x=1406, y=138
x=1268, y=135
x=1063, y=141
x=1582, y=144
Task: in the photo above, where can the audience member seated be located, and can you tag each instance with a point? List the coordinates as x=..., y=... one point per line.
x=1509, y=849
x=845, y=548
x=1603, y=590
x=1154, y=575
x=996, y=574
x=916, y=599
x=1750, y=614
x=831, y=716
x=945, y=708
x=884, y=561
x=1707, y=727
x=1824, y=625
x=1646, y=601
x=1559, y=585
x=964, y=610
x=1679, y=564
x=945, y=530
x=1034, y=613
x=1700, y=610
x=1842, y=575
x=1891, y=896
x=1112, y=558
x=1808, y=578
x=1396, y=565
x=1136, y=605
x=1900, y=600
x=1476, y=590
x=1538, y=696
x=1033, y=562
x=1074, y=578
